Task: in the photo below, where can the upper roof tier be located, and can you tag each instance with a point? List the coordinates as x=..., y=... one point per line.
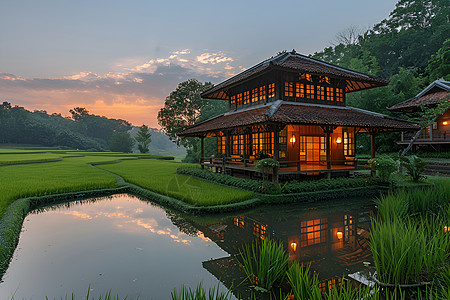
x=294, y=62
x=438, y=91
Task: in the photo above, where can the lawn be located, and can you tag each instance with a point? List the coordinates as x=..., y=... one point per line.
x=160, y=176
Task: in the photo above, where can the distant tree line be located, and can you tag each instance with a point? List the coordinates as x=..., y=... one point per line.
x=81, y=131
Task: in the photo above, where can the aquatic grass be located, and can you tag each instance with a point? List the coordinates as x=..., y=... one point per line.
x=160, y=177
x=392, y=206
x=200, y=293
x=349, y=291
x=304, y=285
x=398, y=250
x=264, y=263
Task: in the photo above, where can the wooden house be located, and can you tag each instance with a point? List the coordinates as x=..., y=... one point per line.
x=437, y=135
x=293, y=108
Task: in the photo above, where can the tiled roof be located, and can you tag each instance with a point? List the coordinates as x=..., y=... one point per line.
x=300, y=113
x=428, y=99
x=437, y=91
x=299, y=63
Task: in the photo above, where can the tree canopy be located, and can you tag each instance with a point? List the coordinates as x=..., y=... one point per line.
x=143, y=138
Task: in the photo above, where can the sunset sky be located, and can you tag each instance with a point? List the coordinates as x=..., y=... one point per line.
x=121, y=59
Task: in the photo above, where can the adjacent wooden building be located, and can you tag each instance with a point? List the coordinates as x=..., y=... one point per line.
x=292, y=108
x=437, y=135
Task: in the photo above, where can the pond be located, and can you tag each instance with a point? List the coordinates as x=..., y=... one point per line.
x=134, y=248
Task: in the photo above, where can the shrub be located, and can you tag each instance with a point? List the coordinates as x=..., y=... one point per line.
x=414, y=166
x=291, y=187
x=384, y=165
x=264, y=263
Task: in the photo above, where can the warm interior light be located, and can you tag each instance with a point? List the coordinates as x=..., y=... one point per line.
x=445, y=123
x=292, y=140
x=339, y=235
x=338, y=140
x=294, y=246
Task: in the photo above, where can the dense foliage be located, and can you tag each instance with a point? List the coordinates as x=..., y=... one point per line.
x=410, y=48
x=290, y=187
x=183, y=108
x=83, y=131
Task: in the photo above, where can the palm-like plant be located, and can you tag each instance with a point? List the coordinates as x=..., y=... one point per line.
x=414, y=166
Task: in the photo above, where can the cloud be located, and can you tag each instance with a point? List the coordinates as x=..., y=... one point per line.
x=213, y=58
x=135, y=90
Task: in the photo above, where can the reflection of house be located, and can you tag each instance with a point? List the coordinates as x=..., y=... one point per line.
x=292, y=108
x=334, y=242
x=437, y=135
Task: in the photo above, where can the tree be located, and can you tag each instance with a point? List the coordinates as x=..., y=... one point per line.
x=143, y=138
x=79, y=113
x=121, y=142
x=439, y=64
x=182, y=108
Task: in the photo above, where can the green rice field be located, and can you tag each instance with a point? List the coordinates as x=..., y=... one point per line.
x=159, y=176
x=32, y=173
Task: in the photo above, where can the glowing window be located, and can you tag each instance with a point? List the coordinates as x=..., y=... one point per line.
x=262, y=93
x=289, y=89
x=349, y=143
x=313, y=232
x=271, y=90
x=239, y=99
x=320, y=93
x=310, y=91
x=232, y=100
x=339, y=95
x=299, y=90
x=324, y=79
x=330, y=94
x=221, y=141
x=306, y=77
x=246, y=97
x=255, y=95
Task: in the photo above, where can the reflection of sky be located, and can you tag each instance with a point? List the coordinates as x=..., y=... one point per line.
x=123, y=245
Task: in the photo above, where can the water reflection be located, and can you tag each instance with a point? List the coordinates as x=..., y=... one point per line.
x=142, y=249
x=335, y=241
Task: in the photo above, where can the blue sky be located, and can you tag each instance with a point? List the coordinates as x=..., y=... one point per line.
x=122, y=58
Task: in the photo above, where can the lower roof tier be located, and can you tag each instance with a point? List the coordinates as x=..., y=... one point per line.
x=283, y=112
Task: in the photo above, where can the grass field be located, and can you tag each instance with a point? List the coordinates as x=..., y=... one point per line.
x=25, y=174
x=159, y=176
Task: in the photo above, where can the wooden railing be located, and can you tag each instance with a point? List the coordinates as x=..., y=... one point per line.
x=284, y=164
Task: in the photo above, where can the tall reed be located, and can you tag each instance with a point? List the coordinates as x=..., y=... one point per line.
x=304, y=284
x=264, y=263
x=200, y=293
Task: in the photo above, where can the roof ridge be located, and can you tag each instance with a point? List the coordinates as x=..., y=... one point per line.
x=333, y=65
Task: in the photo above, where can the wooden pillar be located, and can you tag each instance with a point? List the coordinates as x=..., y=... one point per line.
x=245, y=141
x=276, y=151
x=227, y=144
x=276, y=144
x=373, y=172
x=328, y=149
x=372, y=145
x=202, y=151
